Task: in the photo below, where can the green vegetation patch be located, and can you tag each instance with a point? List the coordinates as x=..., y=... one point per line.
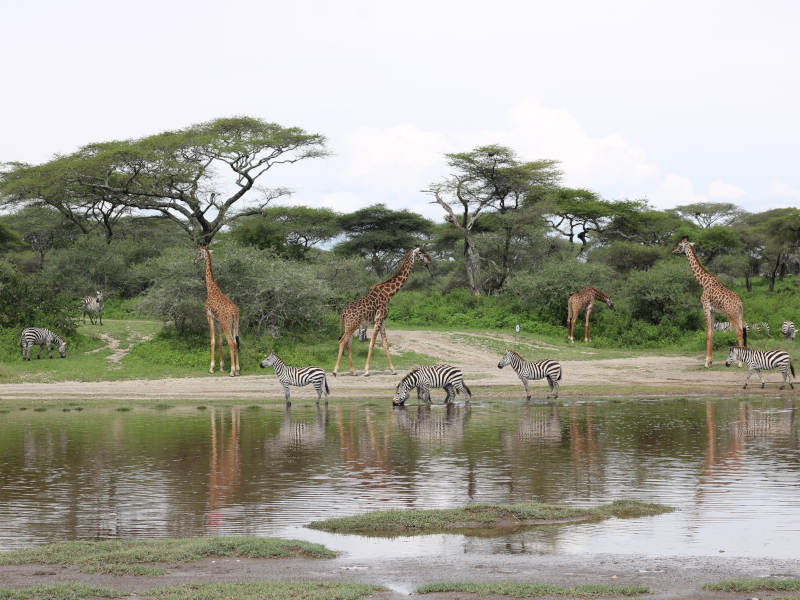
x=271, y=590
x=484, y=516
x=534, y=590
x=754, y=585
x=58, y=591
x=136, y=557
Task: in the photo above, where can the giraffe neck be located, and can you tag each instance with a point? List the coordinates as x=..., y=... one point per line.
x=702, y=276
x=391, y=286
x=211, y=284
x=599, y=295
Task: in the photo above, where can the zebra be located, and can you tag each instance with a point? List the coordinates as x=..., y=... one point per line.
x=762, y=359
x=40, y=336
x=540, y=369
x=93, y=305
x=788, y=330
x=432, y=376
x=297, y=376
x=723, y=326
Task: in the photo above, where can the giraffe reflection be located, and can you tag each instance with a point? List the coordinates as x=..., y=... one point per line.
x=225, y=469
x=750, y=425
x=433, y=425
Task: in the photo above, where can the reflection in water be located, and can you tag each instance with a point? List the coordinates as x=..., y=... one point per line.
x=732, y=468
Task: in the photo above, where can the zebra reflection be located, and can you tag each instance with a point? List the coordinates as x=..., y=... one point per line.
x=426, y=425
x=297, y=434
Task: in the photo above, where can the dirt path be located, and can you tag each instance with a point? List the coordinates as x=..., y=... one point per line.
x=642, y=375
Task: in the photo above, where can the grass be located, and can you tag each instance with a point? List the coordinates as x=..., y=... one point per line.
x=58, y=591
x=534, y=590
x=754, y=585
x=137, y=557
x=484, y=516
x=271, y=590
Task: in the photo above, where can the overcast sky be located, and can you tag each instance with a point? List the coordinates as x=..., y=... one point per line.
x=672, y=101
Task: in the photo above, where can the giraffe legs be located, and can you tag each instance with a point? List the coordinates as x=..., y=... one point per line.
x=371, y=346
x=710, y=336
x=219, y=346
x=346, y=340
x=587, y=338
x=234, y=351
x=386, y=347
x=211, y=327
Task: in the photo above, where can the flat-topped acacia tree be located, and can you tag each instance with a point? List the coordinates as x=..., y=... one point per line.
x=194, y=176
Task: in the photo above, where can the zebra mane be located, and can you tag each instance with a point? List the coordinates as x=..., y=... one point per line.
x=58, y=337
x=515, y=353
x=407, y=376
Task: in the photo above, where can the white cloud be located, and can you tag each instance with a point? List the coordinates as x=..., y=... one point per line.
x=784, y=190
x=719, y=190
x=401, y=157
x=674, y=190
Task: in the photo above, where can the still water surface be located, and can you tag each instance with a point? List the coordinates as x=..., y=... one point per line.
x=731, y=467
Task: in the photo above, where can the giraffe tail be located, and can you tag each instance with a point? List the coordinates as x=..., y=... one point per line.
x=743, y=325
x=237, y=341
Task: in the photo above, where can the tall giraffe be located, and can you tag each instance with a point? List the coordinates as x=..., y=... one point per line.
x=580, y=300
x=716, y=298
x=220, y=312
x=374, y=308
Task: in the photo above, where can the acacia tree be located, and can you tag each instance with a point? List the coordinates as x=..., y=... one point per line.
x=289, y=230
x=709, y=214
x=193, y=176
x=490, y=178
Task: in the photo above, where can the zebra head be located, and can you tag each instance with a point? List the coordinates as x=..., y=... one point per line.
x=683, y=246
x=733, y=355
x=402, y=389
x=505, y=360
x=62, y=349
x=99, y=296
x=269, y=361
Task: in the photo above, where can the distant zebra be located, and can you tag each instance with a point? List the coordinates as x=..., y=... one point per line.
x=762, y=359
x=432, y=376
x=540, y=369
x=93, y=305
x=788, y=330
x=39, y=336
x=297, y=376
x=722, y=326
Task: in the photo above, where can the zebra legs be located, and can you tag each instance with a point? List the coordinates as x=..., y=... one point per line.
x=750, y=371
x=785, y=372
x=527, y=389
x=553, y=386
x=286, y=395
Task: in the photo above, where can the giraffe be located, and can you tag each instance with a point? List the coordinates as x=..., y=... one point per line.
x=716, y=298
x=374, y=308
x=580, y=300
x=220, y=312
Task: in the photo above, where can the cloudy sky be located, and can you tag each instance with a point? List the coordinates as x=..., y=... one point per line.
x=671, y=101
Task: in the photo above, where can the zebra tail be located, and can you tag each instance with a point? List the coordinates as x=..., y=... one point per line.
x=560, y=373
x=791, y=367
x=469, y=391
x=327, y=389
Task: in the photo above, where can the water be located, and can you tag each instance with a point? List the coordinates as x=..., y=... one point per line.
x=731, y=467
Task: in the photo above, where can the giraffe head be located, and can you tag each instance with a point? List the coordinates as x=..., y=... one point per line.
x=610, y=303
x=683, y=246
x=418, y=254
x=269, y=361
x=201, y=254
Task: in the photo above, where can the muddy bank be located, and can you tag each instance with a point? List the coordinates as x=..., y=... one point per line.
x=667, y=578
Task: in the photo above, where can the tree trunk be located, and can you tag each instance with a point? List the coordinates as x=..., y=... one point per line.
x=471, y=262
x=748, y=282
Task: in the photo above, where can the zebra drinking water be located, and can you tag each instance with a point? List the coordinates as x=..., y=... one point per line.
x=762, y=359
x=40, y=336
x=93, y=305
x=540, y=369
x=297, y=376
x=788, y=330
x=432, y=376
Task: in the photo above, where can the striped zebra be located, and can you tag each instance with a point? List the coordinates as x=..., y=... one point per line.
x=722, y=326
x=93, y=306
x=40, y=336
x=432, y=376
x=540, y=369
x=762, y=359
x=788, y=330
x=297, y=376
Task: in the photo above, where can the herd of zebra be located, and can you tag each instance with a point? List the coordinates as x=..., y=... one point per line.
x=444, y=376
